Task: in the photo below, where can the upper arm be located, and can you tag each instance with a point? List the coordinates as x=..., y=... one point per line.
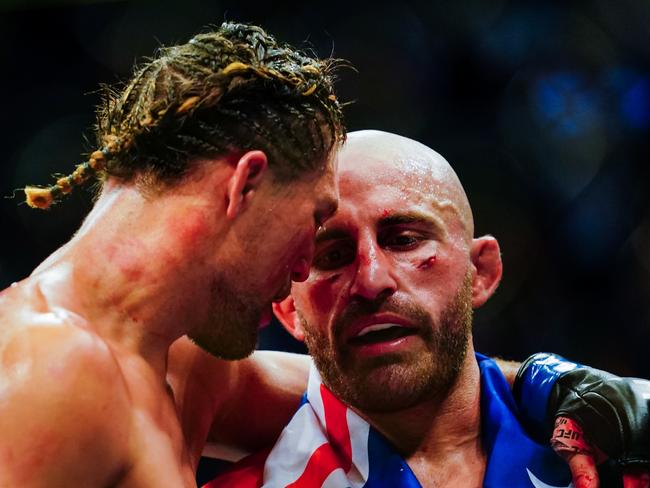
x=238, y=406
x=58, y=387
x=262, y=400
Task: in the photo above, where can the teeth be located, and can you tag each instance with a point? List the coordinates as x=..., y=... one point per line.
x=375, y=328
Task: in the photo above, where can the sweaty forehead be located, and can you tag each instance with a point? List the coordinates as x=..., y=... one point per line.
x=373, y=160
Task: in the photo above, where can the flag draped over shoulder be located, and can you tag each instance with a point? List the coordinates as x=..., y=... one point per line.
x=327, y=445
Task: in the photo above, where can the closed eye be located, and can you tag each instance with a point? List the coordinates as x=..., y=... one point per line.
x=334, y=255
x=400, y=239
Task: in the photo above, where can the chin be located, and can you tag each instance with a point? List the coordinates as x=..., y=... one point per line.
x=231, y=340
x=383, y=388
x=229, y=351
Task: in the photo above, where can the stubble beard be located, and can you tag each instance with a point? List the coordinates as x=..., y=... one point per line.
x=231, y=330
x=390, y=382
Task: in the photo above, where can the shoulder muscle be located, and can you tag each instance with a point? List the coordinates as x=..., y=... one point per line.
x=63, y=409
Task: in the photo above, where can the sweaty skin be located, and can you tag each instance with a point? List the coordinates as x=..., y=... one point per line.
x=86, y=398
x=419, y=254
x=400, y=246
x=98, y=386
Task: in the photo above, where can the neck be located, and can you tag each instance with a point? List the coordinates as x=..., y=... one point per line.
x=438, y=433
x=128, y=272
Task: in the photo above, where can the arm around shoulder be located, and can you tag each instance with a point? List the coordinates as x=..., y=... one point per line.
x=237, y=406
x=261, y=402
x=64, y=413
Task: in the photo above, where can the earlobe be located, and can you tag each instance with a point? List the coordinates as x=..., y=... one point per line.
x=487, y=269
x=285, y=312
x=249, y=172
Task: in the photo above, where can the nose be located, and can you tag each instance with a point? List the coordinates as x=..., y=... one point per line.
x=374, y=275
x=300, y=268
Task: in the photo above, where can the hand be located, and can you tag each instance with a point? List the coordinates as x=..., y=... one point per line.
x=569, y=442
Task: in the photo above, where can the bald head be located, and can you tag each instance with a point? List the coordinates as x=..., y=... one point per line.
x=390, y=159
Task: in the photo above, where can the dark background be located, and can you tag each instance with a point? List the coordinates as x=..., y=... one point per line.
x=543, y=109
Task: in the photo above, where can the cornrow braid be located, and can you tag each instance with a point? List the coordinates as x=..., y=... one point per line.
x=43, y=197
x=230, y=90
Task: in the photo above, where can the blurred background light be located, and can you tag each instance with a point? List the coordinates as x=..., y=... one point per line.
x=543, y=109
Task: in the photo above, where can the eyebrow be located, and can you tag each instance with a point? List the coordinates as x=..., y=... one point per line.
x=331, y=234
x=413, y=217
x=410, y=217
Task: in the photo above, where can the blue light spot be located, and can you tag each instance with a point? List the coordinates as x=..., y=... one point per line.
x=635, y=104
x=564, y=103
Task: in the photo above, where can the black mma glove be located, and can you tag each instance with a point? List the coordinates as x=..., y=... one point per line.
x=613, y=412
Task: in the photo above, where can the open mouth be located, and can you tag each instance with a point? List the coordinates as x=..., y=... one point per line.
x=377, y=333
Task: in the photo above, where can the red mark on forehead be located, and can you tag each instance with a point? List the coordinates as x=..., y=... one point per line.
x=427, y=263
x=385, y=213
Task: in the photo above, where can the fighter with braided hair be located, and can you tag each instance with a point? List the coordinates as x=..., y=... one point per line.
x=222, y=92
x=218, y=157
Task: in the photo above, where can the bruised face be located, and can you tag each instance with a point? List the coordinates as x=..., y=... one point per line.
x=386, y=311
x=270, y=248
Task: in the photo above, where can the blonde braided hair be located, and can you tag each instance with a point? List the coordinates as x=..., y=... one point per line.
x=229, y=90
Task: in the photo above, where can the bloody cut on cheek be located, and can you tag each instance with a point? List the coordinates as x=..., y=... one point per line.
x=427, y=263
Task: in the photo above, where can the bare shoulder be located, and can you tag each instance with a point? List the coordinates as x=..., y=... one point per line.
x=59, y=386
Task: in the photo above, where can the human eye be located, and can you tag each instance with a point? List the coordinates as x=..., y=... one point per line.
x=400, y=239
x=333, y=256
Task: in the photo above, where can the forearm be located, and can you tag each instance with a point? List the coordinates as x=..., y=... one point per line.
x=269, y=389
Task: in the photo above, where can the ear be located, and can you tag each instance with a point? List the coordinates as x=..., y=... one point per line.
x=285, y=312
x=487, y=269
x=248, y=174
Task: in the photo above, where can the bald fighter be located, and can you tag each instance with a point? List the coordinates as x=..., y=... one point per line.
x=398, y=397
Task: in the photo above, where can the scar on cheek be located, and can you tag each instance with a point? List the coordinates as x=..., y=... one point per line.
x=427, y=263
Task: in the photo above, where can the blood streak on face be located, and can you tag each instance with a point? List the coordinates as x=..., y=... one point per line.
x=320, y=295
x=364, y=260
